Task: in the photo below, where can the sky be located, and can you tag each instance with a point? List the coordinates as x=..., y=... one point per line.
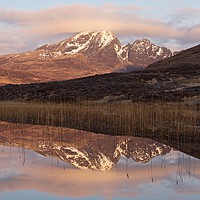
x=25, y=25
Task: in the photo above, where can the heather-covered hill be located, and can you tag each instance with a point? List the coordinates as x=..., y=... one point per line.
x=142, y=85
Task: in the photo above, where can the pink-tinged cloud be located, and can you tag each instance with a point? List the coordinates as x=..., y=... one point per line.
x=189, y=11
x=30, y=28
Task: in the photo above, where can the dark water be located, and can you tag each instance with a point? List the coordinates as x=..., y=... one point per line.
x=49, y=163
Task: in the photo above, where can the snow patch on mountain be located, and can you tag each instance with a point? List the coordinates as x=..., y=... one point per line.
x=105, y=37
x=85, y=40
x=83, y=160
x=121, y=150
x=139, y=153
x=79, y=158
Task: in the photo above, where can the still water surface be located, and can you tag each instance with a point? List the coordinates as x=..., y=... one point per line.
x=48, y=163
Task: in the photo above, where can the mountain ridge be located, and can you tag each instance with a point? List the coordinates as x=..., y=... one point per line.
x=83, y=54
x=89, y=43
x=174, y=79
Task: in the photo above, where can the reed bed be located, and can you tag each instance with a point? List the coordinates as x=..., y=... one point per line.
x=169, y=120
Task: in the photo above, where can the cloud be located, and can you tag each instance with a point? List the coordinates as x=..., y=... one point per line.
x=83, y=183
x=187, y=21
x=28, y=29
x=189, y=11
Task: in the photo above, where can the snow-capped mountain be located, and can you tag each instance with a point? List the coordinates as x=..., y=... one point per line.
x=85, y=42
x=143, y=53
x=104, y=48
x=101, y=47
x=84, y=54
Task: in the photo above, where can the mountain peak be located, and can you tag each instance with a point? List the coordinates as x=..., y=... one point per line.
x=105, y=37
x=143, y=52
x=83, y=42
x=101, y=38
x=144, y=40
x=94, y=33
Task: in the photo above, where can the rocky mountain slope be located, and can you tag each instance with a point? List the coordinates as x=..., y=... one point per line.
x=188, y=60
x=81, y=55
x=143, y=53
x=81, y=149
x=102, y=47
x=173, y=79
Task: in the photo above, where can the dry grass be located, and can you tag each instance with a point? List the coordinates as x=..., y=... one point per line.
x=137, y=119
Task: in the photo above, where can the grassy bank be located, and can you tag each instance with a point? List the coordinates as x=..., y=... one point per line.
x=137, y=119
x=174, y=124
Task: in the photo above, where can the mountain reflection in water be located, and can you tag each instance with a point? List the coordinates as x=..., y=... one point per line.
x=132, y=166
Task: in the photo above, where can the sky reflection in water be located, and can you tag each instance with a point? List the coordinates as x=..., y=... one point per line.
x=25, y=174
